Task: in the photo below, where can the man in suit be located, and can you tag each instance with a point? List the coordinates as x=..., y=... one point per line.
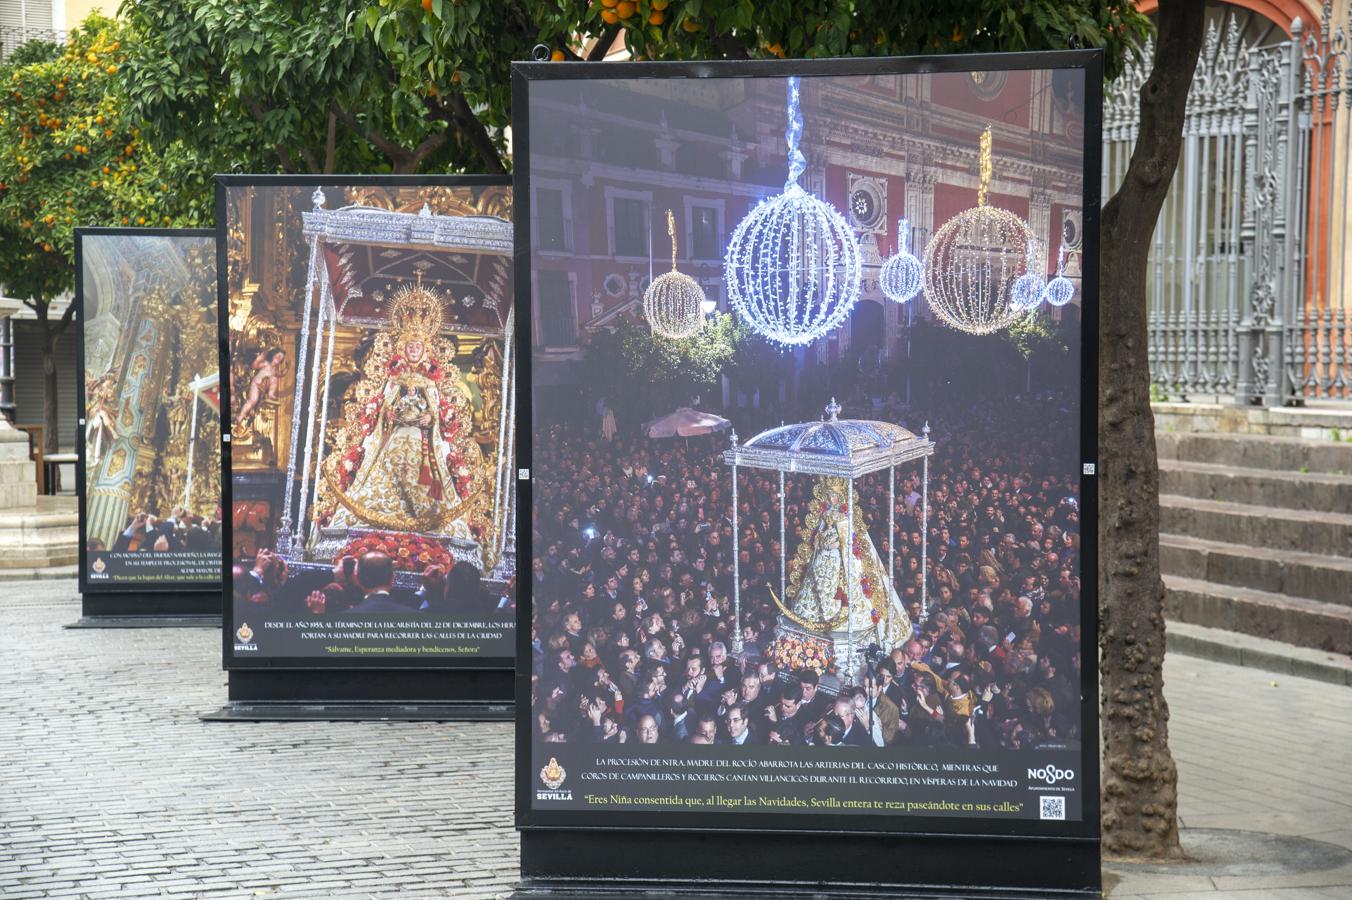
x=786, y=722
x=375, y=576
x=739, y=726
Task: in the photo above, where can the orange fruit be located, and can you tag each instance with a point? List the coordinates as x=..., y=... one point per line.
x=609, y=17
x=690, y=25
x=625, y=8
x=656, y=17
x=661, y=4
x=427, y=5
x=556, y=56
x=610, y=4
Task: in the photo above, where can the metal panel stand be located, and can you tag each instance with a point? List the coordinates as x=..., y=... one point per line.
x=567, y=864
x=359, y=695
x=150, y=609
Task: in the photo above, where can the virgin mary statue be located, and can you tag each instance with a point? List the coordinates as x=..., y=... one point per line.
x=406, y=460
x=837, y=582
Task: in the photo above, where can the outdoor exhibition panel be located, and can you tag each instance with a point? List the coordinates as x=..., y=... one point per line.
x=831, y=622
x=369, y=505
x=149, y=469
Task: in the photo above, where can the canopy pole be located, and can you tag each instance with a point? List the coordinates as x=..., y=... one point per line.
x=924, y=532
x=783, y=564
x=736, y=562
x=849, y=576
x=891, y=541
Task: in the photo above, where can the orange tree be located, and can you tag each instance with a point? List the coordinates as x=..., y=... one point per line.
x=69, y=157
x=457, y=54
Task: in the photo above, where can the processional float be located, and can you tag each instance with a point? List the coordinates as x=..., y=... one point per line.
x=345, y=246
x=860, y=602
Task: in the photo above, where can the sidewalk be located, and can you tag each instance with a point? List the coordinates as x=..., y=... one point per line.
x=111, y=787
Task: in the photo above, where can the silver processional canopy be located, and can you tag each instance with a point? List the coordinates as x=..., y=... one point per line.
x=833, y=446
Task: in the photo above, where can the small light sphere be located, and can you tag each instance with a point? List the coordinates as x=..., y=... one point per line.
x=1059, y=291
x=792, y=268
x=1026, y=293
x=971, y=266
x=673, y=305
x=901, y=277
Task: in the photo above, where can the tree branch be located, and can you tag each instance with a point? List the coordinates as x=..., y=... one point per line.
x=67, y=317
x=331, y=143
x=396, y=154
x=730, y=47
x=430, y=145
x=603, y=43
x=259, y=112
x=458, y=114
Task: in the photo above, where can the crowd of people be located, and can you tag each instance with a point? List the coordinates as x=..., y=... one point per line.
x=181, y=531
x=633, y=633
x=359, y=587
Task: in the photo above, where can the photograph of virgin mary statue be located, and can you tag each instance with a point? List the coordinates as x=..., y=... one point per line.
x=371, y=374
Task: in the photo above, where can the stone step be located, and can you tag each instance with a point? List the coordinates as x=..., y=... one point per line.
x=1305, y=531
x=1258, y=653
x=1292, y=620
x=1263, y=487
x=45, y=573
x=1257, y=451
x=1289, y=572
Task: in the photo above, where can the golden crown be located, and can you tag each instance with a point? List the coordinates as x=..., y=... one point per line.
x=415, y=311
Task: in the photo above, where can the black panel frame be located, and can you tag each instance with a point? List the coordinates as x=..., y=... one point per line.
x=562, y=849
x=144, y=603
x=298, y=682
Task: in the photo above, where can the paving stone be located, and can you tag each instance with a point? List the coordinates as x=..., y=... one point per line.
x=114, y=788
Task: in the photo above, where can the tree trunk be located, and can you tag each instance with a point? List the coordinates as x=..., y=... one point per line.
x=1140, y=781
x=50, y=388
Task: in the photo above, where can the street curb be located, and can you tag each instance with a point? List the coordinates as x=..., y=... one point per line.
x=1250, y=652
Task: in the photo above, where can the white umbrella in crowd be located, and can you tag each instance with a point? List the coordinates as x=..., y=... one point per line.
x=685, y=422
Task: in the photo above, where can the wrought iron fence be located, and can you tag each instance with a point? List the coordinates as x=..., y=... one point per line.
x=1249, y=294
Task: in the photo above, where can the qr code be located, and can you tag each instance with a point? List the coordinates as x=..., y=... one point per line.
x=1052, y=807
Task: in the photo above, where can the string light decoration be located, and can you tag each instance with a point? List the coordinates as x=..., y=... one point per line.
x=974, y=259
x=792, y=267
x=1060, y=290
x=1026, y=293
x=673, y=303
x=902, y=275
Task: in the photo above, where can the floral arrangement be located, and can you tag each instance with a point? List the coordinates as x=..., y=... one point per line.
x=409, y=551
x=796, y=654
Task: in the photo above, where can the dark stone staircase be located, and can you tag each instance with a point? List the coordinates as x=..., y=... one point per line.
x=1256, y=536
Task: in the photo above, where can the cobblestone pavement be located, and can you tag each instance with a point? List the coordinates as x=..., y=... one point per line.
x=111, y=787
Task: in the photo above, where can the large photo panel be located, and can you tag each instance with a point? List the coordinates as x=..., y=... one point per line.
x=371, y=386
x=807, y=429
x=150, y=481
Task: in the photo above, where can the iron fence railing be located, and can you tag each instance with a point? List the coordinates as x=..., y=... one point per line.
x=1249, y=290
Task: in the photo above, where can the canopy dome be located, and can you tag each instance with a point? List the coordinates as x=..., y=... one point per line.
x=832, y=446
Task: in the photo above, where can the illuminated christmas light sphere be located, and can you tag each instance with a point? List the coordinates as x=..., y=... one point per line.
x=1026, y=292
x=674, y=303
x=792, y=267
x=902, y=275
x=973, y=261
x=1060, y=290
